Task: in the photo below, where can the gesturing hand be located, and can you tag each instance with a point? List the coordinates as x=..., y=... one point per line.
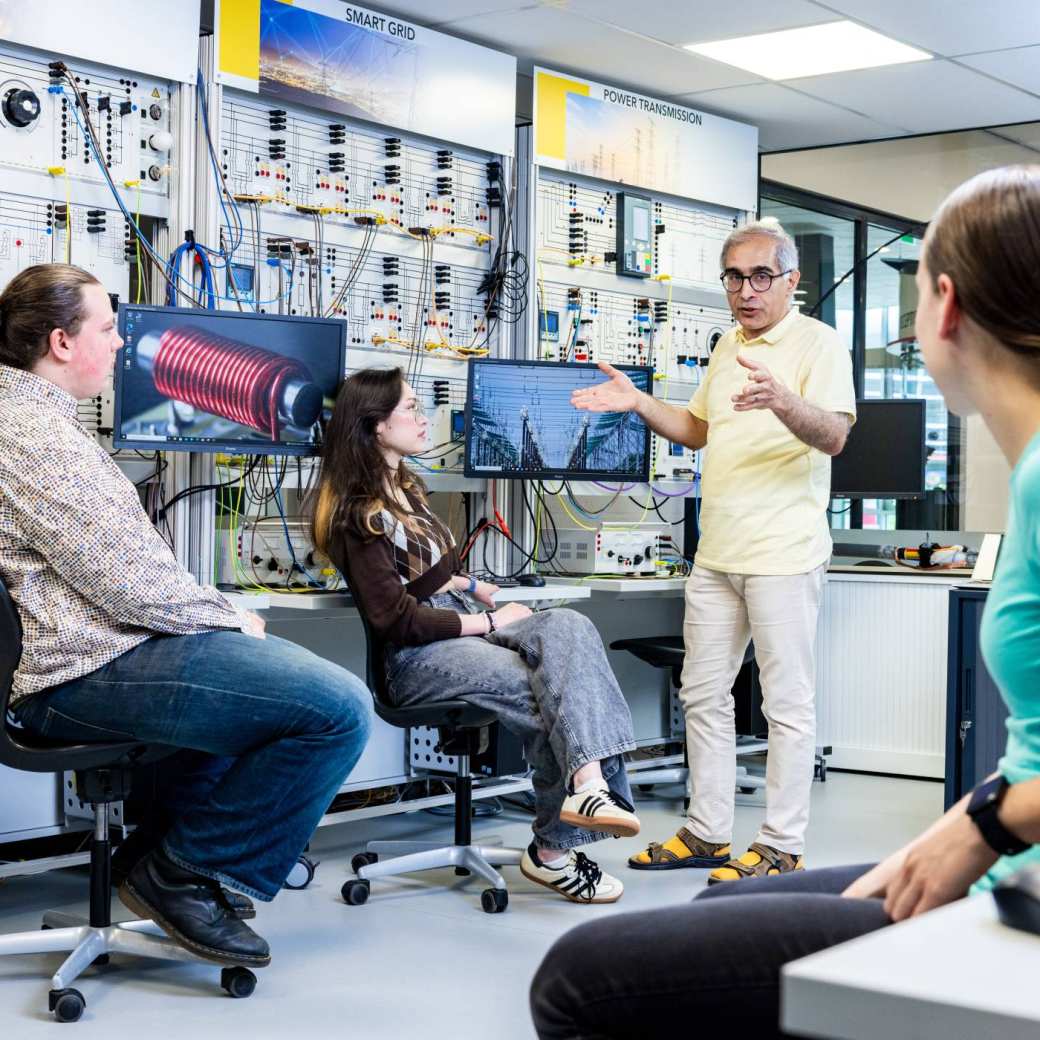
x=618, y=395
x=761, y=390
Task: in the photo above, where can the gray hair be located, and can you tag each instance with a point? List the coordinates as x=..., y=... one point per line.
x=767, y=227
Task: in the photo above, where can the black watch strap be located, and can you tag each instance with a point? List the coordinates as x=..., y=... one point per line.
x=983, y=808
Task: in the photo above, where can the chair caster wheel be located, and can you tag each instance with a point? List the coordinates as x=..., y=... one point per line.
x=494, y=900
x=355, y=892
x=746, y=790
x=239, y=982
x=363, y=859
x=67, y=1004
x=301, y=875
x=644, y=788
x=461, y=872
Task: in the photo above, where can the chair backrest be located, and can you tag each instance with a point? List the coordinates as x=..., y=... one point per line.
x=375, y=652
x=22, y=750
x=10, y=644
x=444, y=715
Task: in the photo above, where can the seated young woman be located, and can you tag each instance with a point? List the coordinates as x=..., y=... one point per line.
x=545, y=675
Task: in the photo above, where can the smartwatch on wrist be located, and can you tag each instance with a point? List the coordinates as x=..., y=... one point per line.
x=983, y=808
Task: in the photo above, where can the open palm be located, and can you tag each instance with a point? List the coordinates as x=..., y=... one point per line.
x=618, y=394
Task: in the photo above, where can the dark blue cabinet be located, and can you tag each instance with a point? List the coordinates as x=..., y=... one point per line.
x=975, y=712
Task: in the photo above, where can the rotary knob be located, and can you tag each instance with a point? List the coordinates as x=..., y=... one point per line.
x=21, y=107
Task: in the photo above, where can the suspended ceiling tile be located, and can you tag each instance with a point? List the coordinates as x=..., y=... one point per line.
x=787, y=119
x=558, y=39
x=1027, y=134
x=679, y=21
x=948, y=28
x=1019, y=67
x=924, y=96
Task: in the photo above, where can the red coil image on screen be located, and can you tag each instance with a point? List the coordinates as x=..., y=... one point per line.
x=239, y=382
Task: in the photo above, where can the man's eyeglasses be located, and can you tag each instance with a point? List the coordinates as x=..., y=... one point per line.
x=761, y=281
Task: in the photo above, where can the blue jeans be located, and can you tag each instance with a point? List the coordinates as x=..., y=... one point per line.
x=548, y=680
x=292, y=725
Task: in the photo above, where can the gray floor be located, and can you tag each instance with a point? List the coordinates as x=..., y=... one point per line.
x=420, y=959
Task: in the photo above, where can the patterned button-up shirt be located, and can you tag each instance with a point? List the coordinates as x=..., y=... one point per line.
x=90, y=576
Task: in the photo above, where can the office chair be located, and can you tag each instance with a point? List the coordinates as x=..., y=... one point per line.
x=668, y=652
x=102, y=778
x=463, y=732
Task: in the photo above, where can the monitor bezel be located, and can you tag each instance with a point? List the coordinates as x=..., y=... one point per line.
x=222, y=447
x=569, y=475
x=922, y=407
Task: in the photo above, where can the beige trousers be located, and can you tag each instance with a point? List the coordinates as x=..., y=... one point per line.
x=779, y=613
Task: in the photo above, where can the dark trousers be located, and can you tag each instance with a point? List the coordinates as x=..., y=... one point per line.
x=710, y=967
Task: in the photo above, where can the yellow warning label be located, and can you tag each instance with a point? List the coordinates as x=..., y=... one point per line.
x=155, y=92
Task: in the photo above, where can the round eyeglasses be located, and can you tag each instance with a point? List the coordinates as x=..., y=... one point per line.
x=415, y=410
x=761, y=281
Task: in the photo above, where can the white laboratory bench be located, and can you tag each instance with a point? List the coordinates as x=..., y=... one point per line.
x=956, y=973
x=342, y=600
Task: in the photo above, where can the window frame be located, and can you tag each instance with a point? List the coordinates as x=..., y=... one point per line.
x=862, y=218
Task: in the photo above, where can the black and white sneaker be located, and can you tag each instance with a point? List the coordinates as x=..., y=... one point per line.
x=600, y=810
x=579, y=879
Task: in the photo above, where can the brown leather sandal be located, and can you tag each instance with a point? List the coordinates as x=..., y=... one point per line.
x=759, y=861
x=684, y=850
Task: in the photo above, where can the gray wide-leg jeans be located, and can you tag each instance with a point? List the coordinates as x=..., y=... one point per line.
x=548, y=680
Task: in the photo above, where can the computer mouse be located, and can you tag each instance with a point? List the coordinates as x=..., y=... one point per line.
x=1018, y=899
x=534, y=580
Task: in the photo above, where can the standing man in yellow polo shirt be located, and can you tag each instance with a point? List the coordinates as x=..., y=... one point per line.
x=775, y=404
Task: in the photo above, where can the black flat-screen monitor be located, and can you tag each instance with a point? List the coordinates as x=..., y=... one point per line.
x=199, y=380
x=520, y=423
x=885, y=454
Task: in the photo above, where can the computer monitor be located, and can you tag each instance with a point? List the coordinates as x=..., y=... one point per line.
x=520, y=423
x=199, y=380
x=885, y=453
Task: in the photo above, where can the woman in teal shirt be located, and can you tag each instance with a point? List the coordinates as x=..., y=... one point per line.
x=716, y=961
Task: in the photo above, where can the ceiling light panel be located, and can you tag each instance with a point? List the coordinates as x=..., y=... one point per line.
x=813, y=50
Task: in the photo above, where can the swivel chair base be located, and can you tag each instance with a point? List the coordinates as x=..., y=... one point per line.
x=412, y=856
x=66, y=932
x=90, y=943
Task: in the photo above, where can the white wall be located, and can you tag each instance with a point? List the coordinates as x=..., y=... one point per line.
x=908, y=177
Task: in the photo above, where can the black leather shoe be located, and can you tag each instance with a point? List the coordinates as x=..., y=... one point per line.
x=128, y=853
x=191, y=909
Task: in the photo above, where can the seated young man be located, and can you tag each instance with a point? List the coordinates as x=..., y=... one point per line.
x=119, y=641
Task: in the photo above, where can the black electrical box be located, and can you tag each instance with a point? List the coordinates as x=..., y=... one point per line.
x=635, y=235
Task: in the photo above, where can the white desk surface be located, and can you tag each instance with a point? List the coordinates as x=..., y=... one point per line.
x=956, y=973
x=341, y=600
x=248, y=600
x=621, y=584
x=675, y=586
